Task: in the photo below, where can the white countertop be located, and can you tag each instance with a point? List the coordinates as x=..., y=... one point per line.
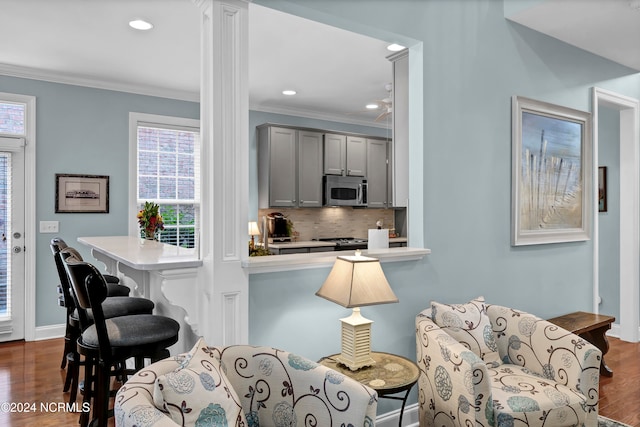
x=143, y=255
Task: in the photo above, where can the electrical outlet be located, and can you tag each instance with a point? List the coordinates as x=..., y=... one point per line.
x=49, y=226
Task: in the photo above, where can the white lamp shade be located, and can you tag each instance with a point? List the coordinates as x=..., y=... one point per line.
x=356, y=281
x=253, y=229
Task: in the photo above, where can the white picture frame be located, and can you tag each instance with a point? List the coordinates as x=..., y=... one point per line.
x=552, y=173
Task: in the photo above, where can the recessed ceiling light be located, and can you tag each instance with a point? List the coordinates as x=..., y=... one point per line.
x=289, y=92
x=395, y=47
x=372, y=106
x=140, y=24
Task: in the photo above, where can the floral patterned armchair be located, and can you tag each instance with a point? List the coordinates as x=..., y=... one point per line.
x=487, y=365
x=258, y=386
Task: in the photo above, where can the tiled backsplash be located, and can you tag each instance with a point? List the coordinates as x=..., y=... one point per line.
x=311, y=223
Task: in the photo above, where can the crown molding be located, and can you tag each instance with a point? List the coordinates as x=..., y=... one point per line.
x=78, y=80
x=85, y=81
x=297, y=112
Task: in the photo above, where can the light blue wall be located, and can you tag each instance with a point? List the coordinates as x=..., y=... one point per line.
x=86, y=131
x=609, y=222
x=474, y=62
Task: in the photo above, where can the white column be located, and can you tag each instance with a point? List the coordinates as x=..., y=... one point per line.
x=224, y=113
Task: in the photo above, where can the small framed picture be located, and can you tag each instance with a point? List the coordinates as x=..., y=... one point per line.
x=602, y=189
x=82, y=193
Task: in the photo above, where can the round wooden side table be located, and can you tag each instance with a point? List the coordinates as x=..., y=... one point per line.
x=390, y=375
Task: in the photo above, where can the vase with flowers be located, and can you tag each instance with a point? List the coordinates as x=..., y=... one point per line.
x=150, y=221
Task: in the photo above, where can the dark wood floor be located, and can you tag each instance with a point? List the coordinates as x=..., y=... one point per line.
x=31, y=380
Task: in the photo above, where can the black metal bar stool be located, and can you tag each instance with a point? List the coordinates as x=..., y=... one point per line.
x=114, y=306
x=108, y=343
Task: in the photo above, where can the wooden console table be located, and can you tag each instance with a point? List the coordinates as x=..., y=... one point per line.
x=592, y=327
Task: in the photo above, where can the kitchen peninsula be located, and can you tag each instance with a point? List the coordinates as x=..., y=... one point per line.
x=166, y=274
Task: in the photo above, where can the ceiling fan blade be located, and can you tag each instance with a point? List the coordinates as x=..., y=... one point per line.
x=382, y=116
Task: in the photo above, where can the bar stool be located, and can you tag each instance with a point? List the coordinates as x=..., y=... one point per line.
x=114, y=306
x=108, y=343
x=114, y=286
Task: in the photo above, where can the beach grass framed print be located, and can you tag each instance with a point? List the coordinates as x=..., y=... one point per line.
x=552, y=173
x=82, y=193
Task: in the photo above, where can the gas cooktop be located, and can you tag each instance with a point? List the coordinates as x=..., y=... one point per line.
x=346, y=243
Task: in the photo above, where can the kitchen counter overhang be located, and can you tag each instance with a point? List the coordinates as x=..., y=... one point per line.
x=275, y=263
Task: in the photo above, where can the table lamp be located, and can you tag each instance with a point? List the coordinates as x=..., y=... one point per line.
x=253, y=231
x=356, y=281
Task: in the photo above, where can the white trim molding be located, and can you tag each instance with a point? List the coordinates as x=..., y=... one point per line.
x=629, y=209
x=224, y=113
x=30, y=231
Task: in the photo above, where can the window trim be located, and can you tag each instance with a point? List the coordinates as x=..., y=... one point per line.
x=144, y=119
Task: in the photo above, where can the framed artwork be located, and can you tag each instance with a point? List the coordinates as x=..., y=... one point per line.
x=602, y=189
x=82, y=193
x=551, y=177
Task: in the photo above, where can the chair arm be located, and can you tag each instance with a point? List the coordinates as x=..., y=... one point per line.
x=134, y=405
x=274, y=384
x=454, y=387
x=271, y=384
x=547, y=350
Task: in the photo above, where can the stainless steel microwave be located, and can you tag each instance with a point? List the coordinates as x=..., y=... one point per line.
x=345, y=190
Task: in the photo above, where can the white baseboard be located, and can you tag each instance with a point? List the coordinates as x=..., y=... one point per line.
x=390, y=419
x=614, y=331
x=49, y=332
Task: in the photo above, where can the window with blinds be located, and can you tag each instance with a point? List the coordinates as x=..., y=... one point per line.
x=168, y=172
x=5, y=242
x=12, y=123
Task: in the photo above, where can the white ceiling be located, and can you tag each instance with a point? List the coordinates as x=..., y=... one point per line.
x=608, y=28
x=89, y=42
x=335, y=72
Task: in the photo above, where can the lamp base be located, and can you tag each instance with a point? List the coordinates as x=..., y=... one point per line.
x=356, y=341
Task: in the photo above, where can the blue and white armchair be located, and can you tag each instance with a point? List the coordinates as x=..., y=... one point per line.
x=242, y=385
x=487, y=365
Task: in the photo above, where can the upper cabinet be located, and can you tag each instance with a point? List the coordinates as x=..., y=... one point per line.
x=356, y=156
x=292, y=162
x=345, y=155
x=335, y=154
x=289, y=167
x=309, y=169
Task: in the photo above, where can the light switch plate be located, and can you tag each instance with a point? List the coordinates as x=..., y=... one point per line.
x=49, y=226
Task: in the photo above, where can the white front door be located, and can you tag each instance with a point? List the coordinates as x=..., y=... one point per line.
x=12, y=243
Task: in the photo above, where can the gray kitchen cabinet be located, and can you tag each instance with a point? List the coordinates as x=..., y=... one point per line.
x=335, y=153
x=356, y=156
x=377, y=167
x=309, y=169
x=345, y=155
x=279, y=250
x=289, y=167
x=398, y=244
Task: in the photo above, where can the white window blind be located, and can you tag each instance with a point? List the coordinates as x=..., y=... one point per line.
x=168, y=173
x=5, y=241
